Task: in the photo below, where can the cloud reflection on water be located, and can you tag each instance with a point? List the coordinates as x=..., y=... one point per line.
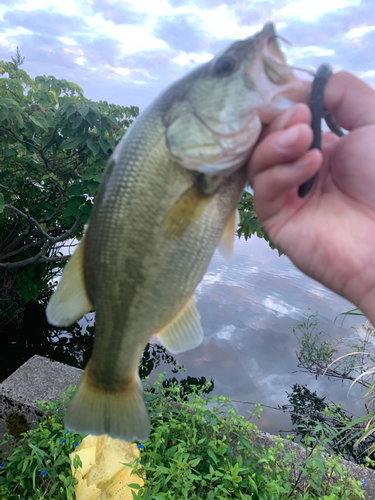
x=248, y=308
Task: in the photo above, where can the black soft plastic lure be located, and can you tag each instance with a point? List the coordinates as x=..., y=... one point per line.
x=317, y=110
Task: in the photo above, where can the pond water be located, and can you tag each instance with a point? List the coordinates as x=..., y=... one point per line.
x=248, y=307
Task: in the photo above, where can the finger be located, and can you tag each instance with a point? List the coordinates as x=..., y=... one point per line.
x=299, y=113
x=280, y=147
x=272, y=186
x=329, y=143
x=350, y=100
x=352, y=165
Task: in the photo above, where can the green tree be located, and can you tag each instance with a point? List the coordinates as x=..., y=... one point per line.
x=249, y=224
x=54, y=144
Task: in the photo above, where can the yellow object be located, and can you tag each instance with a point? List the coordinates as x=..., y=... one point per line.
x=103, y=475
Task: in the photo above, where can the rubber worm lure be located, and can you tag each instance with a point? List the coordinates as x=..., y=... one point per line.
x=317, y=110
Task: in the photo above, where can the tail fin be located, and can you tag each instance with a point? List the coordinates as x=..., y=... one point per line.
x=120, y=414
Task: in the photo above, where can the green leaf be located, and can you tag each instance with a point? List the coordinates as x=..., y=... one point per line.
x=104, y=145
x=71, y=208
x=319, y=463
x=9, y=152
x=93, y=186
x=3, y=116
x=164, y=470
x=195, y=461
x=35, y=448
x=98, y=177
x=83, y=110
x=90, y=174
x=72, y=142
x=135, y=486
x=38, y=121
x=93, y=146
x=53, y=489
x=70, y=110
x=1, y=203
x=19, y=118
x=76, y=121
x=212, y=455
x=75, y=190
x=92, y=119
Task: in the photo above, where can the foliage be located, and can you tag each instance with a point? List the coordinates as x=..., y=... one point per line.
x=319, y=353
x=39, y=466
x=313, y=416
x=201, y=449
x=249, y=224
x=54, y=144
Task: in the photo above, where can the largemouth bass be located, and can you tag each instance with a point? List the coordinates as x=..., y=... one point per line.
x=168, y=198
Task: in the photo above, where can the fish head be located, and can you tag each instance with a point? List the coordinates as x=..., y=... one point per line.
x=214, y=126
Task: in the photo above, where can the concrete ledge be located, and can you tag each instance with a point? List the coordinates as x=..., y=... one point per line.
x=41, y=379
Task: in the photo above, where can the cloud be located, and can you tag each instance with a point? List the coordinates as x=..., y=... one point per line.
x=203, y=4
x=119, y=13
x=183, y=32
x=90, y=48
x=250, y=14
x=42, y=22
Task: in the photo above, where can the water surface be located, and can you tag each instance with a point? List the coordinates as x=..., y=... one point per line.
x=248, y=307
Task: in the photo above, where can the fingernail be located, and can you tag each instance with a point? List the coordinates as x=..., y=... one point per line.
x=288, y=138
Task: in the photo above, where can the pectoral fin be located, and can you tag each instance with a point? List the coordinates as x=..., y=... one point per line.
x=184, y=212
x=70, y=301
x=227, y=239
x=184, y=332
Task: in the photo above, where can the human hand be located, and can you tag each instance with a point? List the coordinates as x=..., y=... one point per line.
x=330, y=234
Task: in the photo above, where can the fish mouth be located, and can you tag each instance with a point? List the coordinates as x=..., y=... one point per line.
x=273, y=78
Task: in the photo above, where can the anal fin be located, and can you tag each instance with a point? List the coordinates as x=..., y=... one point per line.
x=70, y=301
x=227, y=239
x=184, y=332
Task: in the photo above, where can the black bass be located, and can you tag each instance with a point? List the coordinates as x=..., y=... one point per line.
x=168, y=198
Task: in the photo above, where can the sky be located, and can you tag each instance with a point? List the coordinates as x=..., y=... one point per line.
x=127, y=51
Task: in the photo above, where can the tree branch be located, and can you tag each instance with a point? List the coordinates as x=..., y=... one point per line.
x=56, y=211
x=7, y=130
x=56, y=259
x=40, y=256
x=30, y=219
x=25, y=247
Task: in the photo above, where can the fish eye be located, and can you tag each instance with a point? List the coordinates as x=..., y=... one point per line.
x=224, y=66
